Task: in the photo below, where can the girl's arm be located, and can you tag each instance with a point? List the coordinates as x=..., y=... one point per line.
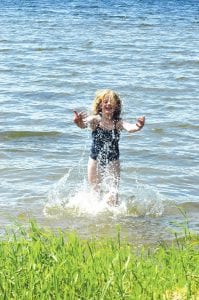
x=134, y=127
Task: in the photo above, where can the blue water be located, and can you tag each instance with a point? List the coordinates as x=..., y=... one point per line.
x=54, y=55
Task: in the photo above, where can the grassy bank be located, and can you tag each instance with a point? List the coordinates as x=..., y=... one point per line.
x=39, y=264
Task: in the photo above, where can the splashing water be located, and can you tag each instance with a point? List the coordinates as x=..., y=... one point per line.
x=65, y=197
x=146, y=201
x=69, y=198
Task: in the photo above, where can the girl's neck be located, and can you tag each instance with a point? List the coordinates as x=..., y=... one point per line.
x=107, y=122
x=107, y=118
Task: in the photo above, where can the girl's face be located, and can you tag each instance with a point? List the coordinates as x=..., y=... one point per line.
x=108, y=106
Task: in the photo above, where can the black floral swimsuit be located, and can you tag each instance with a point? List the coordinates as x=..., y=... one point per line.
x=105, y=145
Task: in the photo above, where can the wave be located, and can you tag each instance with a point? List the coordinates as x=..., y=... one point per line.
x=184, y=62
x=9, y=135
x=189, y=207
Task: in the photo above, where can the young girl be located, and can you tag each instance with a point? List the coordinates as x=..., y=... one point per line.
x=106, y=125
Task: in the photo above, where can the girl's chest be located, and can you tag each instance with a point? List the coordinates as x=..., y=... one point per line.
x=105, y=135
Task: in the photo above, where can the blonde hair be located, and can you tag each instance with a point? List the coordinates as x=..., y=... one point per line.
x=115, y=101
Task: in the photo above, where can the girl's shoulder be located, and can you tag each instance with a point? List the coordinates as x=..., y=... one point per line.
x=93, y=121
x=94, y=118
x=119, y=124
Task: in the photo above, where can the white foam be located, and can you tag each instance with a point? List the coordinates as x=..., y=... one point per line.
x=81, y=200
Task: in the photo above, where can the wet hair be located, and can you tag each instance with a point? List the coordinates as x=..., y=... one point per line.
x=115, y=101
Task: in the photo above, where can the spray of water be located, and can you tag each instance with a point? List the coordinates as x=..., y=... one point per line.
x=72, y=195
x=79, y=199
x=147, y=201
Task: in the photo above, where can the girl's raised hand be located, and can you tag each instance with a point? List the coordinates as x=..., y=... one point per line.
x=80, y=119
x=140, y=122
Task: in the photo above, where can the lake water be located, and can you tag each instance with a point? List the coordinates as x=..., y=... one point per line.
x=54, y=55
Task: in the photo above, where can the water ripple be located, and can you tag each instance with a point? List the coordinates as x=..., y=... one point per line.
x=9, y=135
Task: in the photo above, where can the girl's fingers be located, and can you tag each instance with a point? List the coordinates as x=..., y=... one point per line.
x=142, y=118
x=76, y=116
x=79, y=117
x=140, y=122
x=83, y=115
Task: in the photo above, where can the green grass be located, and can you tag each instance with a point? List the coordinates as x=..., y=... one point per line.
x=40, y=264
